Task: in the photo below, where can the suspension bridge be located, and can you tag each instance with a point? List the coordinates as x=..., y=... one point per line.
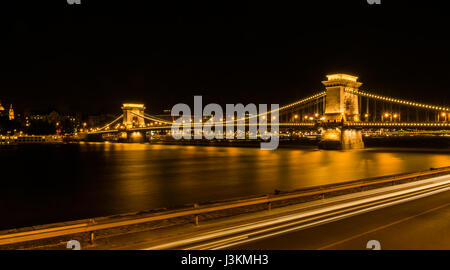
x=340, y=112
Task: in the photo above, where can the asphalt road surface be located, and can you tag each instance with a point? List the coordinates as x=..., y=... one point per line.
x=420, y=224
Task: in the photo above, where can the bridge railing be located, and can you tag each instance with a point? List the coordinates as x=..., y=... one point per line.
x=399, y=124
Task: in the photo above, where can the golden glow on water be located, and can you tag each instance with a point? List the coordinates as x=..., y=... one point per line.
x=144, y=176
x=98, y=179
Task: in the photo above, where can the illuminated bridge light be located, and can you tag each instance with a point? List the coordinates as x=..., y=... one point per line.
x=399, y=101
x=321, y=94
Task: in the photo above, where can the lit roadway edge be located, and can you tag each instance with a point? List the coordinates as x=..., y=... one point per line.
x=336, y=209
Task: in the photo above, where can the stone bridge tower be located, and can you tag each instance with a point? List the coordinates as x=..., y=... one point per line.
x=130, y=115
x=341, y=105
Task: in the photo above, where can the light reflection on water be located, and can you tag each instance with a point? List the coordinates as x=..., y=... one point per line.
x=95, y=179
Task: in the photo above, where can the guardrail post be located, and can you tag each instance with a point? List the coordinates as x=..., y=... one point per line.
x=269, y=206
x=91, y=238
x=91, y=234
x=196, y=216
x=322, y=195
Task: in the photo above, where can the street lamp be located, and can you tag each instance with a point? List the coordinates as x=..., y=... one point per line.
x=386, y=115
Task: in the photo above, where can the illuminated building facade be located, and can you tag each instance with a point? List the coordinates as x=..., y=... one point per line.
x=11, y=112
x=2, y=109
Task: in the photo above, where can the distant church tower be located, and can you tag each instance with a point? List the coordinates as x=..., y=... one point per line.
x=11, y=113
x=2, y=110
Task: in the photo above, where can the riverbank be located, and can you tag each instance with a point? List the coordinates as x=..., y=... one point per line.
x=402, y=141
x=432, y=141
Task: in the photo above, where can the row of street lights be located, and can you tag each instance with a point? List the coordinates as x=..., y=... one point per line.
x=443, y=116
x=311, y=117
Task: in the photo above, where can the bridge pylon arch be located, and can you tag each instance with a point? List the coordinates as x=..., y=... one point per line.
x=130, y=115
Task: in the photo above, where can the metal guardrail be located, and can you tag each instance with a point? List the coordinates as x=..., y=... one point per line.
x=102, y=224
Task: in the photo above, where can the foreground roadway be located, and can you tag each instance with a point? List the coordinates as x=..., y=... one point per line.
x=419, y=224
x=413, y=215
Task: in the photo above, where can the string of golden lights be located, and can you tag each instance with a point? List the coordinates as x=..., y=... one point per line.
x=398, y=101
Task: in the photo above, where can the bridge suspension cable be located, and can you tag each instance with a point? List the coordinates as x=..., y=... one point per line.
x=110, y=123
x=398, y=101
x=288, y=106
x=152, y=118
x=303, y=101
x=157, y=118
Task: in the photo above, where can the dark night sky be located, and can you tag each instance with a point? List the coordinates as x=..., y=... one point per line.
x=94, y=56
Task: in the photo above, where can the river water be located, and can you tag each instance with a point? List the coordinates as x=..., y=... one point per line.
x=50, y=183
